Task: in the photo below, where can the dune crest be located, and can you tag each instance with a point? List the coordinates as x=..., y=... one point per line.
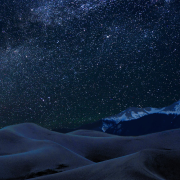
x=29, y=151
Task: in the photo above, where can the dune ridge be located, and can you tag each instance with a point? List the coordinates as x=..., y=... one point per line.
x=28, y=151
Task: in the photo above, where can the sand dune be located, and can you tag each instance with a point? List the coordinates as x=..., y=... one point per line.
x=143, y=165
x=28, y=151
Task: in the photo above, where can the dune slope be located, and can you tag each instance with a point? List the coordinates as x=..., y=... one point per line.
x=28, y=151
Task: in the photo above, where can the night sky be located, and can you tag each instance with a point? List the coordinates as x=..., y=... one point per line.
x=67, y=63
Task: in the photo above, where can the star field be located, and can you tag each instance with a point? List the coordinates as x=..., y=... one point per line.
x=66, y=63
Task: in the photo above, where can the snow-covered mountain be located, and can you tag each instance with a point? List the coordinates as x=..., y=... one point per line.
x=152, y=119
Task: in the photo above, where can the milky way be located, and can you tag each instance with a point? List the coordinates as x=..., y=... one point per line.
x=66, y=63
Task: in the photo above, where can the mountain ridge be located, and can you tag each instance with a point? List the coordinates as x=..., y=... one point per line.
x=147, y=116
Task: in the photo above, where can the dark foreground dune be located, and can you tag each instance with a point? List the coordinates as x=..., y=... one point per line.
x=28, y=151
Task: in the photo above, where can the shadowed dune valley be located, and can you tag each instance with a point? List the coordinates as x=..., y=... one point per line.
x=31, y=152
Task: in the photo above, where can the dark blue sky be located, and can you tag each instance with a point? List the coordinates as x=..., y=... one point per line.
x=65, y=63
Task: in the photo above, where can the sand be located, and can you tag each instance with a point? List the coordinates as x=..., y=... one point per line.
x=28, y=151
